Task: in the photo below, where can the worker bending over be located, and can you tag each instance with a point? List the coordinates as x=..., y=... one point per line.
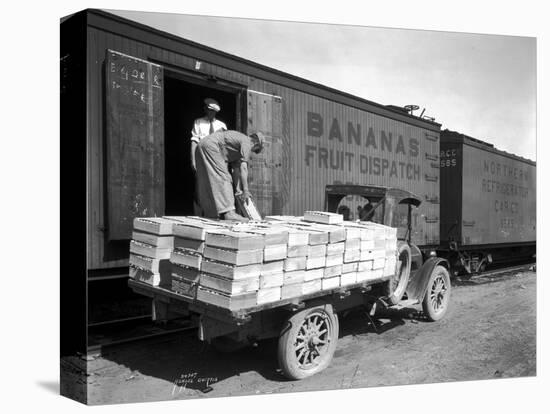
x=222, y=160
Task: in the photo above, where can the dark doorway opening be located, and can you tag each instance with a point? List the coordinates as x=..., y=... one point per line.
x=183, y=103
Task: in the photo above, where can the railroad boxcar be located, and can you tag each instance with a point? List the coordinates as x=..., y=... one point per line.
x=141, y=89
x=488, y=203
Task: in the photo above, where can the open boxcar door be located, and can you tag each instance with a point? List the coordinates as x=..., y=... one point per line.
x=134, y=142
x=269, y=170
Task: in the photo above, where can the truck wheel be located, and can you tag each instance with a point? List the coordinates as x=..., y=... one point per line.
x=438, y=293
x=226, y=344
x=396, y=286
x=308, y=341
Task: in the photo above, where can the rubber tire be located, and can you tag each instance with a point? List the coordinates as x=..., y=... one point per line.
x=394, y=294
x=227, y=345
x=286, y=353
x=427, y=306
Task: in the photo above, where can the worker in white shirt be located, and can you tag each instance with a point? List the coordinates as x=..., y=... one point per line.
x=205, y=126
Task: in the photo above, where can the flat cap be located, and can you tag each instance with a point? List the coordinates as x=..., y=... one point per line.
x=260, y=138
x=212, y=104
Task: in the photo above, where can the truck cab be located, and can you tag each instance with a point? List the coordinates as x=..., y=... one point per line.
x=384, y=205
x=420, y=276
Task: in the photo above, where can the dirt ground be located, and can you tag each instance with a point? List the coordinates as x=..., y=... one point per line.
x=489, y=332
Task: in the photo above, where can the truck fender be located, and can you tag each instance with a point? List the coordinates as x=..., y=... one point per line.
x=416, y=289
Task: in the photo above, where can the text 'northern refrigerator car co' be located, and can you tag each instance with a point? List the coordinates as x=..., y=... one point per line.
x=488, y=203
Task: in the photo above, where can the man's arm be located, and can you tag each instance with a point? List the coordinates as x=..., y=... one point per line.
x=236, y=176
x=193, y=149
x=195, y=138
x=243, y=169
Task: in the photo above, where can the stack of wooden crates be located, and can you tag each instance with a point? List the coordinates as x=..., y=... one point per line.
x=239, y=266
x=150, y=249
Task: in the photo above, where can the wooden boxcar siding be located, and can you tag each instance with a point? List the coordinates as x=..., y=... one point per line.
x=346, y=160
x=307, y=181
x=497, y=206
x=309, y=174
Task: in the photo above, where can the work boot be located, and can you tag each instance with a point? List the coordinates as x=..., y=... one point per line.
x=232, y=215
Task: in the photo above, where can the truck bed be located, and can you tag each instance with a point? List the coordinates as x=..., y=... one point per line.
x=241, y=315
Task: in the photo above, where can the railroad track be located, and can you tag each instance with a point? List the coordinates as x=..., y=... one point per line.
x=107, y=334
x=492, y=275
x=497, y=272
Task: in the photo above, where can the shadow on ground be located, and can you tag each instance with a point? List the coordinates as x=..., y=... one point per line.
x=360, y=322
x=187, y=362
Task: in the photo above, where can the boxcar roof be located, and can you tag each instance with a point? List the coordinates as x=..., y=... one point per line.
x=453, y=136
x=130, y=29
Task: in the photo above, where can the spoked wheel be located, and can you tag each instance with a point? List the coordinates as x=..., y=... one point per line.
x=308, y=342
x=436, y=299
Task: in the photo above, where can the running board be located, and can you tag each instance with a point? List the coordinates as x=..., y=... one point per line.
x=404, y=304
